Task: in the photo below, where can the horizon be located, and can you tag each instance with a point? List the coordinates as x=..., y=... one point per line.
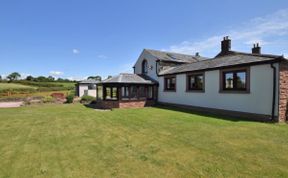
x=81, y=39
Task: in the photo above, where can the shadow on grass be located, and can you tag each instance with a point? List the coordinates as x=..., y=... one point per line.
x=94, y=106
x=212, y=114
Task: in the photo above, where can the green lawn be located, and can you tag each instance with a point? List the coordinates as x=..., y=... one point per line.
x=75, y=141
x=4, y=86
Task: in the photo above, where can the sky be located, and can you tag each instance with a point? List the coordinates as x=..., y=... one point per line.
x=78, y=38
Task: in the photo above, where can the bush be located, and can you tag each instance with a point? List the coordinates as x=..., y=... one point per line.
x=87, y=99
x=70, y=98
x=48, y=99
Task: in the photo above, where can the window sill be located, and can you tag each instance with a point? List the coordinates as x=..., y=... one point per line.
x=169, y=90
x=235, y=91
x=195, y=91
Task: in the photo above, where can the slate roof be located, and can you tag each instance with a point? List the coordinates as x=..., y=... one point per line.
x=89, y=81
x=175, y=57
x=127, y=78
x=233, y=58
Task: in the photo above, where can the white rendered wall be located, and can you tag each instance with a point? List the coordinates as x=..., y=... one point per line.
x=258, y=101
x=151, y=60
x=83, y=87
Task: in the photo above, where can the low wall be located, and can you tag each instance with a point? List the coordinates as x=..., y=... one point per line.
x=109, y=104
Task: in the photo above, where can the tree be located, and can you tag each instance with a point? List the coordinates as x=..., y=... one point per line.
x=41, y=79
x=13, y=76
x=98, y=78
x=50, y=78
x=0, y=78
x=109, y=76
x=29, y=78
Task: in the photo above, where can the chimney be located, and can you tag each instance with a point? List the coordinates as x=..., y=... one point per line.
x=225, y=45
x=256, y=49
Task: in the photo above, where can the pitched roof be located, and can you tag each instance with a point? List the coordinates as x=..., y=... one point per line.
x=232, y=59
x=175, y=57
x=89, y=81
x=130, y=79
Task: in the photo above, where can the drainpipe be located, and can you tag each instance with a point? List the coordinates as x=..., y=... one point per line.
x=157, y=68
x=274, y=92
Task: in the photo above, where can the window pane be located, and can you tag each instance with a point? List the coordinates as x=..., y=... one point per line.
x=142, y=93
x=241, y=80
x=99, y=92
x=192, y=82
x=114, y=93
x=168, y=83
x=228, y=80
x=108, y=93
x=91, y=86
x=133, y=93
x=199, y=82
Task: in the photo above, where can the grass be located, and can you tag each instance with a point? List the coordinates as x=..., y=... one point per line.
x=75, y=141
x=4, y=86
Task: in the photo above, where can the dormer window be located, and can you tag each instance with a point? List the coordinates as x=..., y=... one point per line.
x=144, y=67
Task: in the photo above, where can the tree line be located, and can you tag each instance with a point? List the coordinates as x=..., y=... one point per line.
x=15, y=76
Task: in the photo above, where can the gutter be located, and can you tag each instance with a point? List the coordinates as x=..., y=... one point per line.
x=274, y=92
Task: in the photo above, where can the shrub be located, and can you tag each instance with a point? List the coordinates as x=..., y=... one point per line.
x=69, y=98
x=87, y=99
x=48, y=99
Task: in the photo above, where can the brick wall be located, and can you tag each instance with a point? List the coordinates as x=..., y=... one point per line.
x=283, y=91
x=135, y=104
x=124, y=104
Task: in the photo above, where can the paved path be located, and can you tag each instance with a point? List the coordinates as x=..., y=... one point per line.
x=10, y=104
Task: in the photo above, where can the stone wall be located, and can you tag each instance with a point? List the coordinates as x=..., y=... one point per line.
x=283, y=91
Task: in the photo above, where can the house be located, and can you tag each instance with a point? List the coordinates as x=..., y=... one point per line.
x=86, y=87
x=252, y=85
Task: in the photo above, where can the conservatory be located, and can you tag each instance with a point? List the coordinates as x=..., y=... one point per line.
x=126, y=91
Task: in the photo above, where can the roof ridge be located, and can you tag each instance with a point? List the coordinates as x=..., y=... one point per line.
x=184, y=54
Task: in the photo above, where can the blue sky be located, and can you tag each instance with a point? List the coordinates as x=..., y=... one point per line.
x=79, y=38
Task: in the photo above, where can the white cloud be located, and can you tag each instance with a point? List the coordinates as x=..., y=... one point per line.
x=24, y=75
x=259, y=29
x=101, y=56
x=76, y=51
x=77, y=78
x=56, y=73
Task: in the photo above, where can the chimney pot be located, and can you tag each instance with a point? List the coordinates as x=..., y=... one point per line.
x=256, y=49
x=225, y=45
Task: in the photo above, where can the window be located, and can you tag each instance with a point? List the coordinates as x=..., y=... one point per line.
x=195, y=82
x=92, y=86
x=170, y=83
x=125, y=93
x=111, y=93
x=99, y=92
x=133, y=92
x=85, y=92
x=144, y=67
x=142, y=93
x=235, y=80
